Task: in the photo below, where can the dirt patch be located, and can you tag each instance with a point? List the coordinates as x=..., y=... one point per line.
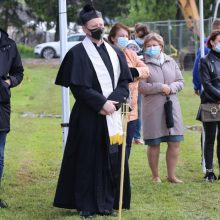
x=194, y=127
x=39, y=115
x=41, y=62
x=24, y=173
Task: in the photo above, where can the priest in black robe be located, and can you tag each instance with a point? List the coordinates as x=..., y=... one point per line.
x=97, y=75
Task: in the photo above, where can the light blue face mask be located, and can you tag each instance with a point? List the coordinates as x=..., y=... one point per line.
x=217, y=48
x=139, y=41
x=153, y=51
x=122, y=42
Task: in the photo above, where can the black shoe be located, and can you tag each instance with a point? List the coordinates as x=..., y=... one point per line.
x=86, y=214
x=3, y=204
x=210, y=177
x=109, y=213
x=219, y=177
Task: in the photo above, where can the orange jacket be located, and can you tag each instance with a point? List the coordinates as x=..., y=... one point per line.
x=135, y=62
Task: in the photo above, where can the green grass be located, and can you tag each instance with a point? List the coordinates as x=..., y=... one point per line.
x=34, y=153
x=25, y=51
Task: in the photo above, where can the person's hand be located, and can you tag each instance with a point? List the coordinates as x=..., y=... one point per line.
x=109, y=107
x=197, y=92
x=102, y=112
x=8, y=81
x=166, y=89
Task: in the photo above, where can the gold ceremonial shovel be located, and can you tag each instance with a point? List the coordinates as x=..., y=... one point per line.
x=124, y=114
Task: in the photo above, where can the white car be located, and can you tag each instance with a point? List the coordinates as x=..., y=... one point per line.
x=50, y=50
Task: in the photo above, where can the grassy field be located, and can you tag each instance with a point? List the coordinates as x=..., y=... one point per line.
x=25, y=51
x=34, y=153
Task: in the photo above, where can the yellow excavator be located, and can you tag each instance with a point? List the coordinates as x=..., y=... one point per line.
x=190, y=12
x=191, y=15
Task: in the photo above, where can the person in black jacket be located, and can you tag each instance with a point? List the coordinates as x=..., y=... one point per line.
x=11, y=74
x=209, y=69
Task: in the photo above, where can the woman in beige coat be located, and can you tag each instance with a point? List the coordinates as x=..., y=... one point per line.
x=165, y=80
x=119, y=36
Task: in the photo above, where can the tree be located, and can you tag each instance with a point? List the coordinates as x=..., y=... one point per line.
x=48, y=10
x=112, y=8
x=9, y=10
x=155, y=10
x=151, y=10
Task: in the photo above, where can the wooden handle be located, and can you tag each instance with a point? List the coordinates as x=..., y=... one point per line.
x=125, y=111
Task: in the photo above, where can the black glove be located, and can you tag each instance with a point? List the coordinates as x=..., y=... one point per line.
x=134, y=72
x=117, y=106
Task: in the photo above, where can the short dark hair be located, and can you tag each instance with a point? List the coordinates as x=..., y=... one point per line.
x=143, y=28
x=212, y=37
x=115, y=29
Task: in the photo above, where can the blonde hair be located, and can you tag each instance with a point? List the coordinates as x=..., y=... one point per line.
x=154, y=36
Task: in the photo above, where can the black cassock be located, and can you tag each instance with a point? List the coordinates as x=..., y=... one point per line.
x=89, y=176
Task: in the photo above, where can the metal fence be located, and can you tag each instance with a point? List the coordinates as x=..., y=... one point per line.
x=180, y=42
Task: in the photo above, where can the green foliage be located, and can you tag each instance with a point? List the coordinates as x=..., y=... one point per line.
x=157, y=10
x=152, y=10
x=25, y=51
x=9, y=13
x=127, y=11
x=34, y=154
x=48, y=10
x=165, y=10
x=112, y=8
x=208, y=6
x=44, y=10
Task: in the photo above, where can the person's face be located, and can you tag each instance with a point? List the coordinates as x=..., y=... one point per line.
x=120, y=33
x=152, y=43
x=216, y=41
x=152, y=48
x=93, y=24
x=140, y=34
x=133, y=47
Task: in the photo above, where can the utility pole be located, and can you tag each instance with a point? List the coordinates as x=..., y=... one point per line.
x=63, y=50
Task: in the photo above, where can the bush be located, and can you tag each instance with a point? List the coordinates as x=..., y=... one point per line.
x=25, y=51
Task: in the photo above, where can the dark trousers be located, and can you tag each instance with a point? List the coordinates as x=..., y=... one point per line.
x=137, y=133
x=210, y=133
x=130, y=134
x=2, y=150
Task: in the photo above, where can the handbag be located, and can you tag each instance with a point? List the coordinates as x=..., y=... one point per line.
x=168, y=107
x=210, y=112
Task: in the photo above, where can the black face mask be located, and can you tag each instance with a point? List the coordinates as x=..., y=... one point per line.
x=97, y=33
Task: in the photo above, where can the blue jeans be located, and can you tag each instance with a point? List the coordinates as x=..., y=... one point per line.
x=2, y=148
x=137, y=133
x=130, y=134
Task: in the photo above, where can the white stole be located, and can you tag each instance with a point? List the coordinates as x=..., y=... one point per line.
x=114, y=122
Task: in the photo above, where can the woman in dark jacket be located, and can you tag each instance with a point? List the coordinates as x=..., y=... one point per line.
x=209, y=69
x=11, y=74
